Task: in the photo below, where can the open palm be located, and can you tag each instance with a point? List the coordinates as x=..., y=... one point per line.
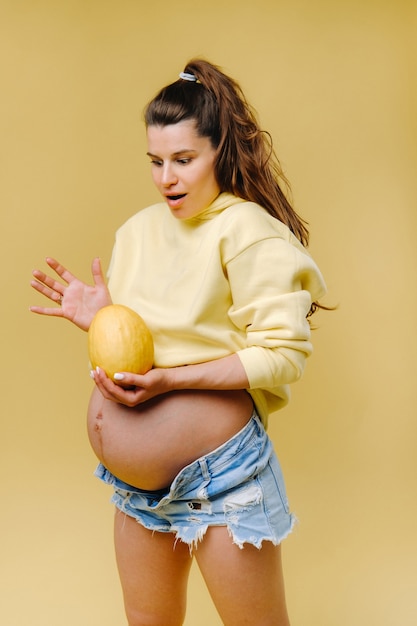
x=78, y=302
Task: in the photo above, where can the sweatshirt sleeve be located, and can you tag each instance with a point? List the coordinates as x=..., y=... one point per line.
x=273, y=283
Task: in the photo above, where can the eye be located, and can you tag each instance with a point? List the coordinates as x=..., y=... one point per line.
x=184, y=161
x=156, y=162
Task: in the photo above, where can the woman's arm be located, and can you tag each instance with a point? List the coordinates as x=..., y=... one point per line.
x=222, y=374
x=78, y=301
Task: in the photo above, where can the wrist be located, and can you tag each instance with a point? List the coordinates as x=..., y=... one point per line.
x=177, y=378
x=224, y=373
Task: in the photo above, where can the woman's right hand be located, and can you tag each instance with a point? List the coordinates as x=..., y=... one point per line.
x=78, y=302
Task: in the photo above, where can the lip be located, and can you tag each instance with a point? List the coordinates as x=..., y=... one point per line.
x=175, y=201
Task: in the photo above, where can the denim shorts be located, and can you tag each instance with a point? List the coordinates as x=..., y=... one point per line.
x=239, y=485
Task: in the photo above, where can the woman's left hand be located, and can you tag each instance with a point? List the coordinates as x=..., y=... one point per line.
x=225, y=373
x=137, y=388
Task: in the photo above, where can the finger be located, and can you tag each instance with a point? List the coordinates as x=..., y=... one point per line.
x=47, y=287
x=104, y=383
x=97, y=272
x=60, y=270
x=44, y=278
x=112, y=391
x=108, y=390
x=108, y=385
x=128, y=379
x=53, y=311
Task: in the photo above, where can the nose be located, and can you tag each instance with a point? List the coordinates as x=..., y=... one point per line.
x=168, y=176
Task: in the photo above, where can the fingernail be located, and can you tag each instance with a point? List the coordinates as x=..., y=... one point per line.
x=92, y=374
x=118, y=376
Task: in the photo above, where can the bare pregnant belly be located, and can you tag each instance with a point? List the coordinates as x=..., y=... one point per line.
x=146, y=446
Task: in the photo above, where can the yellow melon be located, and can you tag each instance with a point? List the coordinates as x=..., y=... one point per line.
x=120, y=341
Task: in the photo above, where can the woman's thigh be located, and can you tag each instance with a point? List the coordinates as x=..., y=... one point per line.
x=153, y=571
x=246, y=584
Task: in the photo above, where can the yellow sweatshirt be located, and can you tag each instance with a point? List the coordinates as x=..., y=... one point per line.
x=232, y=279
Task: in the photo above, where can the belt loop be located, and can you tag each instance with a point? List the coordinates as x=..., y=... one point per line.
x=202, y=492
x=204, y=468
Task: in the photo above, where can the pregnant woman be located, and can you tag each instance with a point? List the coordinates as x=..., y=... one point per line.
x=220, y=273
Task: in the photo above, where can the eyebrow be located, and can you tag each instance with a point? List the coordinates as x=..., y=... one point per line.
x=176, y=154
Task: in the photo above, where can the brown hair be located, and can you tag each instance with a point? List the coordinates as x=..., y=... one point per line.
x=246, y=164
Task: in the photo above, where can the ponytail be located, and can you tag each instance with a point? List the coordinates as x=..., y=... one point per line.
x=246, y=164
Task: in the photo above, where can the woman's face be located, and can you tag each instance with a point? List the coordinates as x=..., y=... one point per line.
x=183, y=167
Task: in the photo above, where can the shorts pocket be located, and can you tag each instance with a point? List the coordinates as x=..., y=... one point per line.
x=278, y=478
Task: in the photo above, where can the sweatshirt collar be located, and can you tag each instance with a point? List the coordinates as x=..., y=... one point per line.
x=223, y=201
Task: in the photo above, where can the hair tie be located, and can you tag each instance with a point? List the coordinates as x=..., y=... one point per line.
x=191, y=77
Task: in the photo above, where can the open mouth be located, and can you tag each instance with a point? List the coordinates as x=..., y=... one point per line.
x=175, y=200
x=177, y=197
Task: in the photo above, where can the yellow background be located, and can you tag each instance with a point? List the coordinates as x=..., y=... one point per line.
x=335, y=83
